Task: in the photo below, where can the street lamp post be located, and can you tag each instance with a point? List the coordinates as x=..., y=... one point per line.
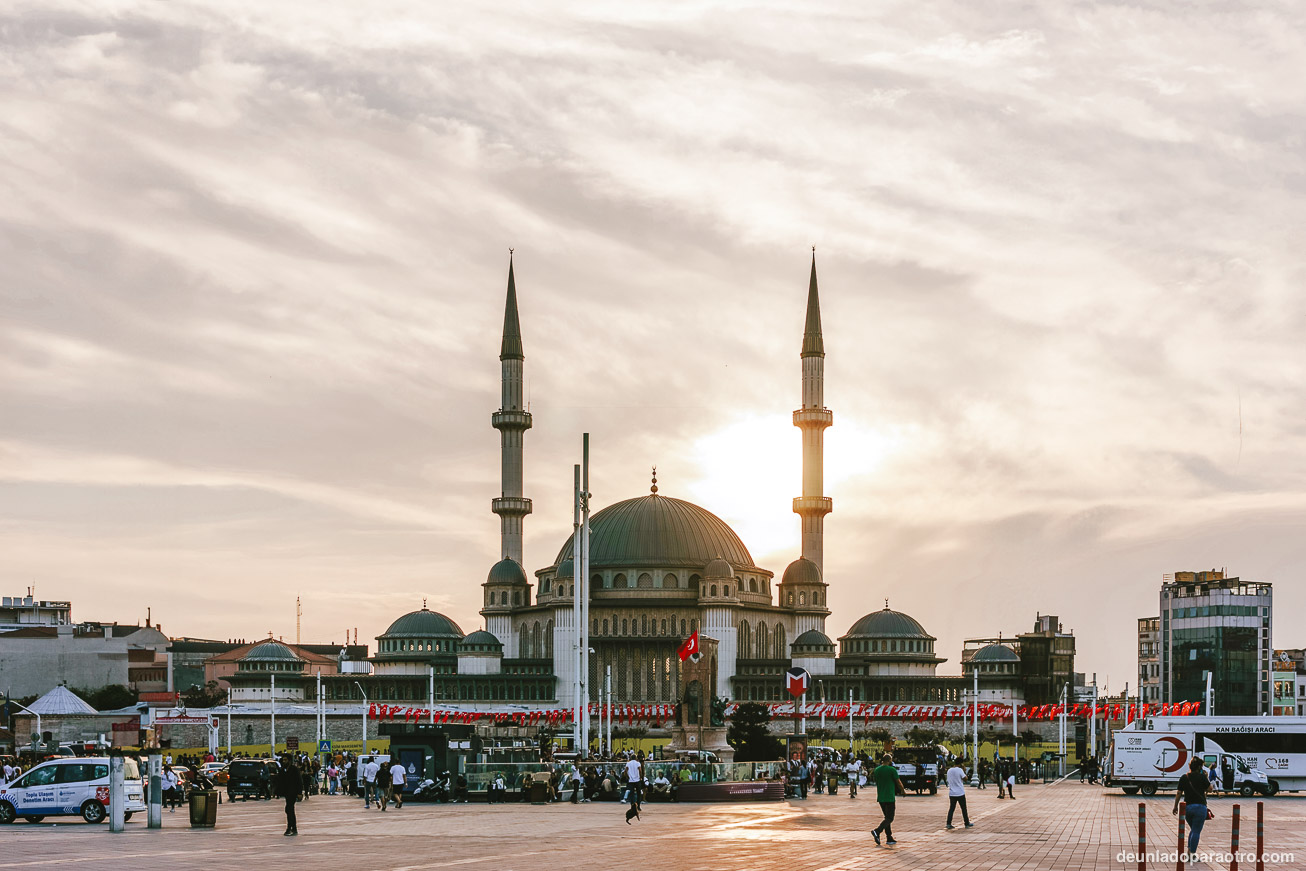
x=364, y=695
x=974, y=725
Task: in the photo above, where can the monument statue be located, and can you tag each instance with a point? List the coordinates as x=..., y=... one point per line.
x=718, y=711
x=694, y=704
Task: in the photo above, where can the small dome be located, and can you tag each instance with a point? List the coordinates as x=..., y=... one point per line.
x=887, y=624
x=424, y=624
x=719, y=568
x=802, y=571
x=481, y=641
x=813, y=638
x=566, y=569
x=270, y=650
x=506, y=571
x=995, y=653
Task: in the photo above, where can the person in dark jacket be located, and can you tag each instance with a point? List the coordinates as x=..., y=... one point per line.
x=288, y=785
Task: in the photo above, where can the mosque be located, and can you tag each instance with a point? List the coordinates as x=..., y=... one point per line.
x=660, y=569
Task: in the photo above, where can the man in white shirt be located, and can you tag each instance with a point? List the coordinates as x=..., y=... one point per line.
x=398, y=777
x=8, y=774
x=370, y=771
x=853, y=769
x=957, y=793
x=634, y=783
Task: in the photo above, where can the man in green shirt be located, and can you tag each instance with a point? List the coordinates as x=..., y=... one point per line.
x=887, y=787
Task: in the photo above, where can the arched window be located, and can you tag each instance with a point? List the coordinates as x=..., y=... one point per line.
x=516, y=597
x=670, y=582
x=712, y=590
x=548, y=640
x=664, y=627
x=816, y=598
x=645, y=581
x=763, y=642
x=802, y=598
x=683, y=630
x=523, y=642
x=693, y=581
x=745, y=641
x=752, y=585
x=546, y=585
x=537, y=641
x=596, y=581
x=643, y=622
x=693, y=625
x=781, y=648
x=791, y=598
x=605, y=626
x=725, y=591
x=619, y=582
x=625, y=626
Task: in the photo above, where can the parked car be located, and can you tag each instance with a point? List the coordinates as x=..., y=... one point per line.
x=68, y=787
x=250, y=778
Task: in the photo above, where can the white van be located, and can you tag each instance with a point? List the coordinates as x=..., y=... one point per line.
x=66, y=787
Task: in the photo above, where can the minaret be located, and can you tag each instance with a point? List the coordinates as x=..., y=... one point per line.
x=511, y=420
x=812, y=419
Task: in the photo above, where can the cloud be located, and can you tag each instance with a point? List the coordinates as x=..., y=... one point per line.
x=252, y=264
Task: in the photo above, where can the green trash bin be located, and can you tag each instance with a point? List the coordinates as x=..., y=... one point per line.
x=203, y=808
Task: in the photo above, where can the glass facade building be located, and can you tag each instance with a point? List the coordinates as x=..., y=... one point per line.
x=1212, y=623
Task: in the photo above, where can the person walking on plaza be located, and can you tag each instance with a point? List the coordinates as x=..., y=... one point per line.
x=370, y=771
x=634, y=783
x=854, y=771
x=169, y=781
x=577, y=783
x=957, y=793
x=1193, y=788
x=398, y=777
x=887, y=787
x=289, y=784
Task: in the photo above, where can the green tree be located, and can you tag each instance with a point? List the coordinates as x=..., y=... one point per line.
x=750, y=736
x=204, y=697
x=108, y=698
x=881, y=734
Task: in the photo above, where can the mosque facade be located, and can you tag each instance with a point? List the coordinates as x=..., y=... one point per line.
x=660, y=568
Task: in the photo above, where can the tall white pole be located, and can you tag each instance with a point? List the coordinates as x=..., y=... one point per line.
x=228, y=722
x=974, y=732
x=274, y=715
x=364, y=695
x=430, y=693
x=318, y=697
x=575, y=611
x=608, y=682
x=1092, y=722
x=822, y=685
x=1209, y=710
x=850, y=721
x=583, y=585
x=1064, y=690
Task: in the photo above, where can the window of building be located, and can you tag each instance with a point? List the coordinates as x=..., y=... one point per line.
x=670, y=582
x=619, y=582
x=712, y=590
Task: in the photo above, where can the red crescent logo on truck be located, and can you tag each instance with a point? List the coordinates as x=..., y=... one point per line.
x=1183, y=754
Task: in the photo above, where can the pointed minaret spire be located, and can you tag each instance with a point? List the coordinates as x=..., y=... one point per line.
x=511, y=348
x=511, y=420
x=812, y=419
x=813, y=345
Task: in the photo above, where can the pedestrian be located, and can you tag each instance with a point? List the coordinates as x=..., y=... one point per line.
x=169, y=783
x=634, y=783
x=1011, y=781
x=289, y=785
x=957, y=793
x=370, y=772
x=854, y=771
x=577, y=781
x=398, y=777
x=1193, y=788
x=888, y=787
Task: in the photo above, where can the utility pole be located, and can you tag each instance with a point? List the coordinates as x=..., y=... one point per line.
x=576, y=724
x=273, y=700
x=1092, y=722
x=582, y=572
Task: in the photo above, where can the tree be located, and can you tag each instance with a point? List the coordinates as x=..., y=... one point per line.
x=751, y=736
x=918, y=736
x=109, y=698
x=881, y=734
x=204, y=697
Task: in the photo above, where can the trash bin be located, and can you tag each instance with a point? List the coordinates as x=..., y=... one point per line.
x=203, y=808
x=539, y=792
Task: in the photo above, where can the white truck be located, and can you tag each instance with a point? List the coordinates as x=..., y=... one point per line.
x=1251, y=754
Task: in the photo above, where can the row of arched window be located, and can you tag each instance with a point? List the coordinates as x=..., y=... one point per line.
x=889, y=645
x=762, y=642
x=643, y=626
x=535, y=641
x=409, y=645
x=802, y=598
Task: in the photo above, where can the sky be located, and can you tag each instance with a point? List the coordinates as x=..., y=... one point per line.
x=253, y=259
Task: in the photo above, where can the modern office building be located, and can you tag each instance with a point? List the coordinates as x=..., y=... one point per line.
x=1221, y=625
x=1149, y=660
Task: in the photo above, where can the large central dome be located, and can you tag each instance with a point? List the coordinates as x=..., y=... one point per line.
x=659, y=531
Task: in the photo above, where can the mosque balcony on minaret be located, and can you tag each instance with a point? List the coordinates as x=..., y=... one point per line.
x=511, y=420
x=512, y=506
x=813, y=505
x=806, y=417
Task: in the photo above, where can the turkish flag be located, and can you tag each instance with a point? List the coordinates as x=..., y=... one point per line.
x=689, y=648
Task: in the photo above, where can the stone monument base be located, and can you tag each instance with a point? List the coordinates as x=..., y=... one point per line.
x=713, y=739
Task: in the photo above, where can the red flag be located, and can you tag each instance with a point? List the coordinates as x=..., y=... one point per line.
x=689, y=648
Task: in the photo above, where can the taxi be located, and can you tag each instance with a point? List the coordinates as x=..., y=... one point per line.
x=77, y=786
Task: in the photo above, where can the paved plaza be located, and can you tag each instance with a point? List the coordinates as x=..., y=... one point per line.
x=1061, y=826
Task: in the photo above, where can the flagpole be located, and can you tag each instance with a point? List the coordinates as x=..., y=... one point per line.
x=575, y=613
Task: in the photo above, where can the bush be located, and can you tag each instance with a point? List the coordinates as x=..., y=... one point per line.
x=750, y=735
